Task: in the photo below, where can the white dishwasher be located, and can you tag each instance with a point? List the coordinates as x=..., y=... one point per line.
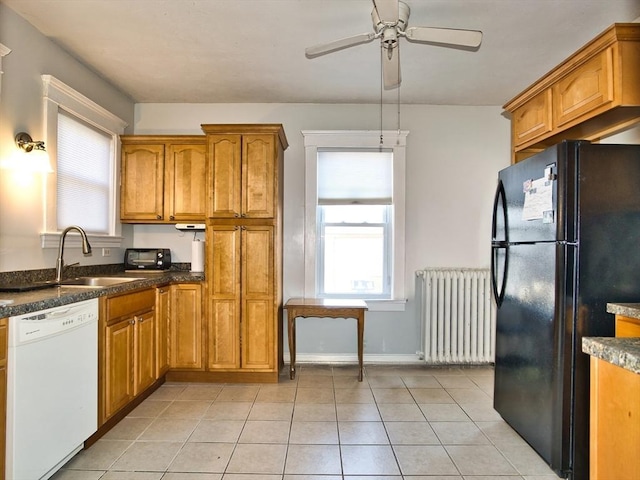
x=52, y=388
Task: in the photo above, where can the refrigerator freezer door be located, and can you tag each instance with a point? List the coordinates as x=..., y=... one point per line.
x=520, y=182
x=528, y=371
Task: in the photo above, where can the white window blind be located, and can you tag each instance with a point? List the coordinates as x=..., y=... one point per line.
x=355, y=177
x=84, y=180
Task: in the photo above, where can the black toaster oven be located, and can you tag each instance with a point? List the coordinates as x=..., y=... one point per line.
x=147, y=259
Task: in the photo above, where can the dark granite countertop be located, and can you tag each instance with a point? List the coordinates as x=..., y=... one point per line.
x=621, y=351
x=631, y=310
x=26, y=302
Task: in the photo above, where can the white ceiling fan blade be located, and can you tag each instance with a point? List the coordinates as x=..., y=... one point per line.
x=387, y=10
x=391, y=68
x=445, y=36
x=336, y=45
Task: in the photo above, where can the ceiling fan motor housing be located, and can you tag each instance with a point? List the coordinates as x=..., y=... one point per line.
x=400, y=24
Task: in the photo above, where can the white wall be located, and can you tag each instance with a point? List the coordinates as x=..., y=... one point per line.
x=22, y=195
x=453, y=156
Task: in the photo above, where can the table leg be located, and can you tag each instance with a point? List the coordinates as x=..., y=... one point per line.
x=360, y=342
x=292, y=344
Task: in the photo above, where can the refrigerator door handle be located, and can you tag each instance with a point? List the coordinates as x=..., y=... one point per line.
x=499, y=202
x=499, y=295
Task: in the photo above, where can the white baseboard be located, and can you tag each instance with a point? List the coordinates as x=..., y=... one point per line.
x=336, y=358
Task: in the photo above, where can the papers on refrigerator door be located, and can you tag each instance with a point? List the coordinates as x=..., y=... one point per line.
x=538, y=199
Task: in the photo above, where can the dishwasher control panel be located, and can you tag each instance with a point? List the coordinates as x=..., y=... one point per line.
x=52, y=321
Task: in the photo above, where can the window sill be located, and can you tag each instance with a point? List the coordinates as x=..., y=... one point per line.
x=52, y=240
x=386, y=305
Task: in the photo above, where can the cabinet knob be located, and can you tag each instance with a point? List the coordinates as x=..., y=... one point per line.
x=236, y=215
x=159, y=217
x=171, y=217
x=132, y=321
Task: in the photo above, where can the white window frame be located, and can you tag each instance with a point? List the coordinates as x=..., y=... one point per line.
x=357, y=139
x=59, y=96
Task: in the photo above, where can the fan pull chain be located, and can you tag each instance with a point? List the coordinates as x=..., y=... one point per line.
x=381, y=80
x=398, y=137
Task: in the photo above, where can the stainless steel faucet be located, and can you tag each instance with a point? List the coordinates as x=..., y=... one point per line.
x=86, y=248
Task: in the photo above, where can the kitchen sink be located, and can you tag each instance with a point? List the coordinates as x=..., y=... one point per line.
x=79, y=282
x=96, y=282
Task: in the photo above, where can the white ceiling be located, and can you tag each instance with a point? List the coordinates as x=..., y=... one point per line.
x=236, y=51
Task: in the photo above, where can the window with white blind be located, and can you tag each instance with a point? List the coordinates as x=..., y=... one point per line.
x=355, y=209
x=84, y=181
x=354, y=216
x=82, y=139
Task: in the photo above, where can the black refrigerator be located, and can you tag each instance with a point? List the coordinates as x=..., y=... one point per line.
x=565, y=242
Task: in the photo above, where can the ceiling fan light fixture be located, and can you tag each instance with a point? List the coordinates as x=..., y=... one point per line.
x=389, y=37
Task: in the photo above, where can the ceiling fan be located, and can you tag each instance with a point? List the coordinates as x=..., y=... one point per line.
x=390, y=18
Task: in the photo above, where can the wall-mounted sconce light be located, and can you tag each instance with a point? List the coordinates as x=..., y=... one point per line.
x=26, y=143
x=34, y=155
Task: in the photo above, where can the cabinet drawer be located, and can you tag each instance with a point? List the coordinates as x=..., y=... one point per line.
x=130, y=303
x=533, y=119
x=584, y=89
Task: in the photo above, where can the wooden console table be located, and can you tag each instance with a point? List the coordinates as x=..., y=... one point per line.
x=324, y=308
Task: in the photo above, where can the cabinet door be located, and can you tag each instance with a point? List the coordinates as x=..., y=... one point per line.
x=119, y=378
x=145, y=353
x=142, y=182
x=586, y=88
x=185, y=327
x=258, y=176
x=533, y=119
x=223, y=274
x=257, y=325
x=162, y=331
x=224, y=175
x=186, y=182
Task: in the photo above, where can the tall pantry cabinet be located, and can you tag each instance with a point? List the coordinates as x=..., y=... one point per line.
x=244, y=251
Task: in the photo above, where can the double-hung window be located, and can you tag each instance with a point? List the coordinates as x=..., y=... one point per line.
x=82, y=140
x=354, y=215
x=354, y=218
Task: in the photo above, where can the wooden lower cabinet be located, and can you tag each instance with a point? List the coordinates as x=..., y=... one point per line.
x=163, y=297
x=627, y=326
x=615, y=422
x=185, y=327
x=241, y=300
x=128, y=355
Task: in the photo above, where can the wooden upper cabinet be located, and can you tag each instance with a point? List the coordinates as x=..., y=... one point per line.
x=591, y=95
x=242, y=170
x=225, y=168
x=258, y=176
x=533, y=119
x=142, y=182
x=186, y=181
x=163, y=178
x=584, y=89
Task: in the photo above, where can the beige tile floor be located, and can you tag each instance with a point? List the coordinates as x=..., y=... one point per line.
x=402, y=421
